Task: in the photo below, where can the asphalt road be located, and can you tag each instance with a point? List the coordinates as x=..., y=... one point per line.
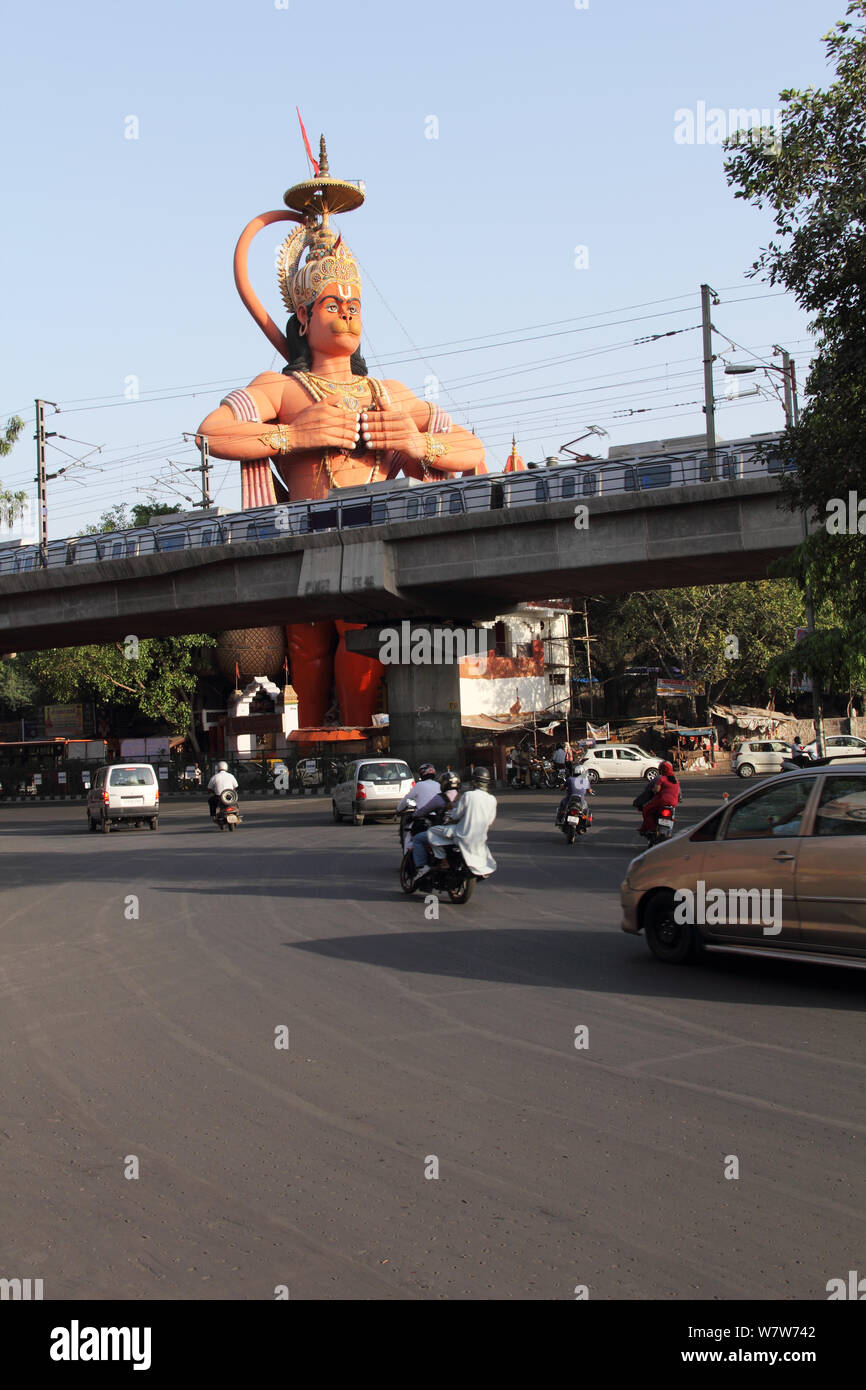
x=148, y=1044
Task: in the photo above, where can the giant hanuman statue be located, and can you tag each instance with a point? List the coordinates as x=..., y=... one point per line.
x=323, y=422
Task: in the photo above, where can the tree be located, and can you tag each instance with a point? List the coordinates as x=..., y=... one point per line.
x=156, y=676
x=724, y=636
x=126, y=518
x=17, y=689
x=12, y=504
x=814, y=182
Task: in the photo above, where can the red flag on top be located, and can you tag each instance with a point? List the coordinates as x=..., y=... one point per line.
x=314, y=162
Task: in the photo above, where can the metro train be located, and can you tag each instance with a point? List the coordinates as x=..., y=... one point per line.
x=404, y=500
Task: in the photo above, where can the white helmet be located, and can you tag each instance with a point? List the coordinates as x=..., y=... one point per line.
x=222, y=767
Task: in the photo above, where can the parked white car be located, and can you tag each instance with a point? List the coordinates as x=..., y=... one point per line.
x=371, y=787
x=618, y=762
x=840, y=747
x=123, y=792
x=759, y=755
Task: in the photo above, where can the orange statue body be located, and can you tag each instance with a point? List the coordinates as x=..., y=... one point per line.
x=323, y=422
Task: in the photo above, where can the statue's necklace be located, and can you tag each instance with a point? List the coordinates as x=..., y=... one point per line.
x=319, y=387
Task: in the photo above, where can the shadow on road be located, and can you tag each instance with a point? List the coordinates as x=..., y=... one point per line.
x=607, y=962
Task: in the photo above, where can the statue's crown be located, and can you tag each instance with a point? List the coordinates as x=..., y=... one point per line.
x=328, y=258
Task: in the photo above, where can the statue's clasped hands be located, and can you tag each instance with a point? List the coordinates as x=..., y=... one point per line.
x=387, y=428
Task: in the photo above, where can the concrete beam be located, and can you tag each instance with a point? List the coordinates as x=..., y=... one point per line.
x=467, y=566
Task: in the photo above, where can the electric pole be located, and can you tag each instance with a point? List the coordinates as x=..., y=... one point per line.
x=40, y=480
x=204, y=469
x=709, y=402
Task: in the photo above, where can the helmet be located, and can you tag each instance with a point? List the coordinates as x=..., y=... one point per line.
x=481, y=777
x=425, y=772
x=449, y=782
x=667, y=769
x=222, y=767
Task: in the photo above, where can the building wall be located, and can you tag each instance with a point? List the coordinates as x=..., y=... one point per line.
x=515, y=677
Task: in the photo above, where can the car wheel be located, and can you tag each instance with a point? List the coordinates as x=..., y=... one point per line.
x=154, y=823
x=745, y=770
x=651, y=774
x=91, y=823
x=105, y=825
x=357, y=817
x=670, y=941
x=336, y=814
x=592, y=777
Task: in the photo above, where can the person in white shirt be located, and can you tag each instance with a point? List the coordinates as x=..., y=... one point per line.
x=220, y=782
x=467, y=827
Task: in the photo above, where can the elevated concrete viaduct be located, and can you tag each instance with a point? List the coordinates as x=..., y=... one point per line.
x=469, y=566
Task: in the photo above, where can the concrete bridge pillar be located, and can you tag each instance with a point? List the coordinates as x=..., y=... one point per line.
x=423, y=693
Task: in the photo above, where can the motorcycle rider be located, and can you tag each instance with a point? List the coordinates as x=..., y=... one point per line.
x=665, y=792
x=424, y=790
x=220, y=782
x=576, y=784
x=467, y=827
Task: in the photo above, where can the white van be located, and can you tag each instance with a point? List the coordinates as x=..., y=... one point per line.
x=123, y=792
x=371, y=787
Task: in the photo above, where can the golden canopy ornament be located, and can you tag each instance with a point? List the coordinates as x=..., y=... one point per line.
x=329, y=259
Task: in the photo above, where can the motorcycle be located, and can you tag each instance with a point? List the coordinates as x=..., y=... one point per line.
x=449, y=875
x=576, y=819
x=227, y=814
x=664, y=827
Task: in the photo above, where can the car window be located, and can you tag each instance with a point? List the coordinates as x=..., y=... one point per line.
x=776, y=811
x=383, y=772
x=778, y=747
x=710, y=831
x=627, y=754
x=603, y=753
x=842, y=807
x=131, y=777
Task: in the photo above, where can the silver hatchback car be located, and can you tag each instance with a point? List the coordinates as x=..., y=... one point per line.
x=371, y=787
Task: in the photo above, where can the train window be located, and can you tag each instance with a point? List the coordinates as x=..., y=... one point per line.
x=379, y=513
x=323, y=518
x=542, y=490
x=779, y=465
x=629, y=479
x=497, y=496
x=251, y=532
x=431, y=505
x=412, y=507
x=117, y=549
x=569, y=486
x=206, y=536
x=455, y=502
x=132, y=546
x=589, y=484
x=357, y=513
x=656, y=475
x=172, y=540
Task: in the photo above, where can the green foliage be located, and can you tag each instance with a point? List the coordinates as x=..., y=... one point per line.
x=126, y=518
x=17, y=689
x=814, y=184
x=725, y=636
x=11, y=503
x=159, y=682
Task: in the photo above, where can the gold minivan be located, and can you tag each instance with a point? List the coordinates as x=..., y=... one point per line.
x=780, y=870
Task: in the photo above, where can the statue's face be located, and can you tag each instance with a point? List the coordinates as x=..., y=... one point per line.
x=334, y=323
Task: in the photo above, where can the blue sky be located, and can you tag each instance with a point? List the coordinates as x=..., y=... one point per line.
x=555, y=132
